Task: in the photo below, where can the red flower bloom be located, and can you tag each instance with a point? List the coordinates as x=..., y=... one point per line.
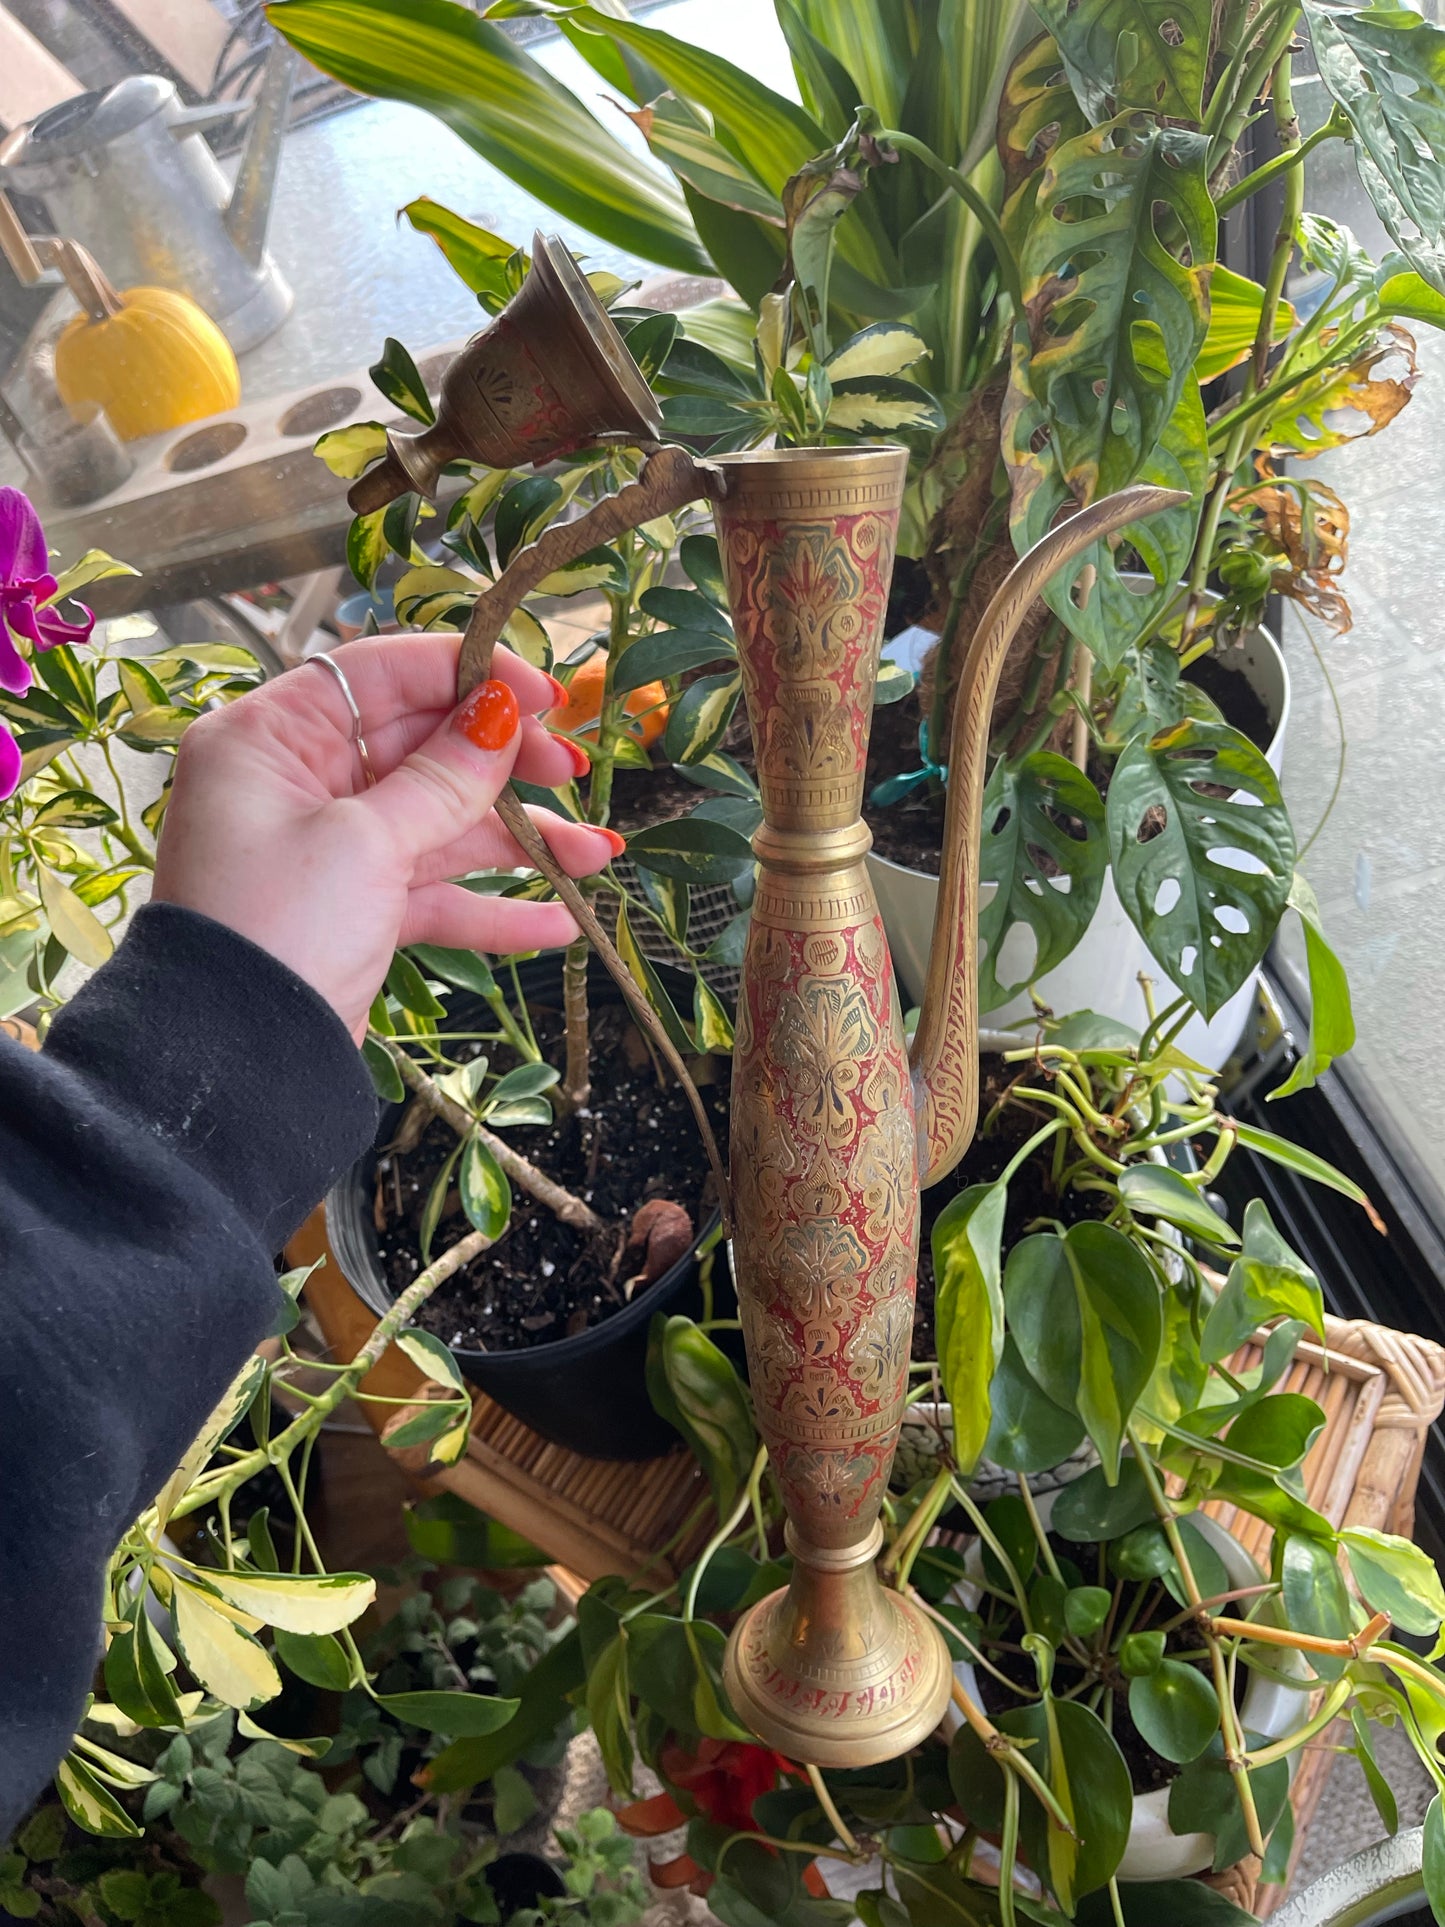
x=722, y=1778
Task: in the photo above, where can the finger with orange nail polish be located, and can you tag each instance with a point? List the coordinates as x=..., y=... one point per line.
x=581, y=761
x=489, y=717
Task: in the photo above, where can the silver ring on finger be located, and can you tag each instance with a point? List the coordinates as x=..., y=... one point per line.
x=356, y=736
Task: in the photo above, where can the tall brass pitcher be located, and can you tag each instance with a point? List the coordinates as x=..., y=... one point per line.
x=836, y=1125
x=824, y=1159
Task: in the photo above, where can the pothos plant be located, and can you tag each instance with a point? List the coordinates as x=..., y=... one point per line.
x=72, y=842
x=1020, y=206
x=1138, y=1328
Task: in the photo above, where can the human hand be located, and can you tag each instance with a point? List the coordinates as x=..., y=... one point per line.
x=272, y=831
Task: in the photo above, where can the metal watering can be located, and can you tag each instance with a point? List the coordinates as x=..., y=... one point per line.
x=124, y=173
x=836, y=1124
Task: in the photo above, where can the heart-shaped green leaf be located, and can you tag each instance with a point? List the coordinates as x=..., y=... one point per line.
x=1175, y=1710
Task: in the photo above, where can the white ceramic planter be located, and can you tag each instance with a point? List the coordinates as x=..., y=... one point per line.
x=1102, y=972
x=1155, y=1851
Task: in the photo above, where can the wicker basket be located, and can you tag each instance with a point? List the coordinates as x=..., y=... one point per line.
x=1382, y=1391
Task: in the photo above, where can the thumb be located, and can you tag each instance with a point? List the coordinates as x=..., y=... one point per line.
x=449, y=782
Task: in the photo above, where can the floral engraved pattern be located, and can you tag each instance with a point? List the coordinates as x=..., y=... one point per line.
x=818, y=601
x=822, y=1039
x=820, y=1268
x=879, y=1173
x=824, y=1157
x=878, y=1351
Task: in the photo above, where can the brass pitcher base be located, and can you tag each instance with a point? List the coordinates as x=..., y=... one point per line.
x=834, y=1670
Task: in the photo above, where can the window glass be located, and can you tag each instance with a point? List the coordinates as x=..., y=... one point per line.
x=1365, y=754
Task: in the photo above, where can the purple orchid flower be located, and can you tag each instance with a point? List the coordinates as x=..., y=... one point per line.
x=26, y=582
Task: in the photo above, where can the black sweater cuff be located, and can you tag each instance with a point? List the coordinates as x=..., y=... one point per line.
x=228, y=1058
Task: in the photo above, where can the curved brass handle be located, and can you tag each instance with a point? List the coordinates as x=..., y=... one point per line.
x=944, y=1058
x=668, y=480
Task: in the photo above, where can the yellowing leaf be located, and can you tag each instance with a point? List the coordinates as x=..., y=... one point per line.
x=1234, y=309
x=349, y=451
x=223, y=1658
x=78, y=928
x=304, y=1603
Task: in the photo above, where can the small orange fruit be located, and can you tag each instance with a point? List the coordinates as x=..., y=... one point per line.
x=579, y=714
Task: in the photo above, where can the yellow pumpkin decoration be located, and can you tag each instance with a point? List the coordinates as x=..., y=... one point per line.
x=149, y=357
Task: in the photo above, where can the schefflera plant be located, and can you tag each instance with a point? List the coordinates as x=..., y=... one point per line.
x=190, y=1632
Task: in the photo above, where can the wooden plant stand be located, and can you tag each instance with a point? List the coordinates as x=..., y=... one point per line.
x=1380, y=1390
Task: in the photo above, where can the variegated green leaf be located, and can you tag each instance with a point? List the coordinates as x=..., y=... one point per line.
x=438, y=55
x=1150, y=54
x=883, y=405
x=885, y=348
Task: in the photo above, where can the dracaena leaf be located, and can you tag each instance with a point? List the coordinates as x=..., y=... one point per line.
x=506, y=106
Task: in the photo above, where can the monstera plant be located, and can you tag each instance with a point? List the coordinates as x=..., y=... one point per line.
x=1022, y=207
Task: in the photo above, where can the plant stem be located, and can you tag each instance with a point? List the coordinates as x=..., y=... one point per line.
x=509, y=808
x=557, y=1198
x=1008, y=1851
x=1332, y=1704
x=720, y=1538
x=1008, y=267
x=576, y=1085
x=1353, y=1648
x=910, y=1541
x=1231, y=1733
x=205, y=1492
x=1003, y=1751
x=830, y=1811
x=1083, y=690
x=1335, y=128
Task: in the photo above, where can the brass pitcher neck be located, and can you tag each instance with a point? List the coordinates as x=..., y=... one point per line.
x=807, y=538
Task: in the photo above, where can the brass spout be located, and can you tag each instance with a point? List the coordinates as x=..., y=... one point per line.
x=944, y=1057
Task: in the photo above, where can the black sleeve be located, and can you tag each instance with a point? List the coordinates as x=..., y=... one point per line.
x=191, y=1105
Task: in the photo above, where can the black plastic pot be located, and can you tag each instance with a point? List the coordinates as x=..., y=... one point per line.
x=589, y=1392
x=519, y=1880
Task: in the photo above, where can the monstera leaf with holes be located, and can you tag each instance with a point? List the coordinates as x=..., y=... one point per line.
x=1149, y=54
x=1385, y=67
x=1043, y=849
x=1202, y=854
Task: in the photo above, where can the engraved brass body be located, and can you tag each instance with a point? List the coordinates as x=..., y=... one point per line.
x=835, y=1126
